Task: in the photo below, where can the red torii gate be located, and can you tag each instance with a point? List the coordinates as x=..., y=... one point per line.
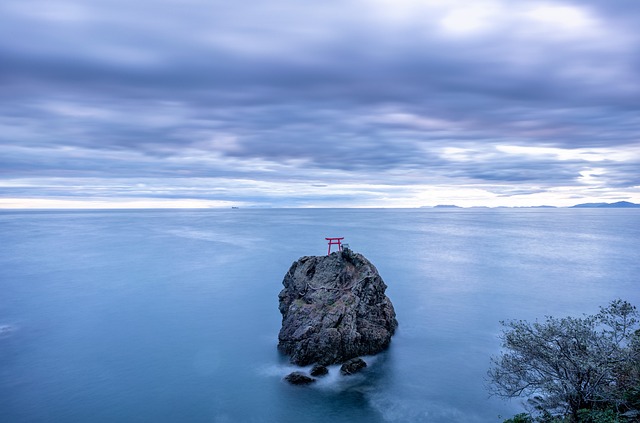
x=334, y=241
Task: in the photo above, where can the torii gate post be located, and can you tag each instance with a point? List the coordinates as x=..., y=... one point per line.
x=334, y=241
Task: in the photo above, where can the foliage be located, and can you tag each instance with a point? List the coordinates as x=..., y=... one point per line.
x=566, y=365
x=584, y=416
x=598, y=416
x=520, y=418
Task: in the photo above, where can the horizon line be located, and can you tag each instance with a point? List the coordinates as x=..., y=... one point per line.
x=438, y=206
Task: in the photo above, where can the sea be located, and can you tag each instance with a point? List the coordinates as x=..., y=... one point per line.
x=169, y=316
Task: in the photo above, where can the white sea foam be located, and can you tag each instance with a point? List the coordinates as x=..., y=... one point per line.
x=332, y=381
x=279, y=370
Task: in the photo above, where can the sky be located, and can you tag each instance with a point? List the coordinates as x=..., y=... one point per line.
x=333, y=103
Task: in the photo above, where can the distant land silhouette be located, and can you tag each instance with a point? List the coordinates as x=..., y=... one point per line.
x=618, y=205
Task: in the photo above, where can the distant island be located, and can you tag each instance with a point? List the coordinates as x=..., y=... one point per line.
x=447, y=206
x=617, y=205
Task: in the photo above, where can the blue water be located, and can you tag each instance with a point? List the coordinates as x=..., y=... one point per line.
x=172, y=316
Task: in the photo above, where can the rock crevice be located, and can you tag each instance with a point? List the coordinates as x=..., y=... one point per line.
x=334, y=308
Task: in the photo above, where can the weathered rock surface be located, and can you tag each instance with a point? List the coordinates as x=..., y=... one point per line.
x=299, y=378
x=318, y=370
x=334, y=308
x=352, y=366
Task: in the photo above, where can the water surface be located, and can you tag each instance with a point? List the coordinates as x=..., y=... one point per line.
x=171, y=316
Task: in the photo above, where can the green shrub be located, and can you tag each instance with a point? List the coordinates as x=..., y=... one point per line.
x=520, y=418
x=598, y=416
x=565, y=366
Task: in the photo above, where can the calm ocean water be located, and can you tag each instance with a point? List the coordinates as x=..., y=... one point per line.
x=172, y=316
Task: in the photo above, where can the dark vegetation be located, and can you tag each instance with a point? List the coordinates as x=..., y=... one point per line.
x=572, y=370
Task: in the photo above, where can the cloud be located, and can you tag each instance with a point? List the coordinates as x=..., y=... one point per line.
x=406, y=93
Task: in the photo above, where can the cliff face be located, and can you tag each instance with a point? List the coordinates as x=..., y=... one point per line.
x=334, y=308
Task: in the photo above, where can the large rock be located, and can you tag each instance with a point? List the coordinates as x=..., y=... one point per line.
x=334, y=308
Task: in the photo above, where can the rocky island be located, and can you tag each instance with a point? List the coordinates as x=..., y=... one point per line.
x=334, y=309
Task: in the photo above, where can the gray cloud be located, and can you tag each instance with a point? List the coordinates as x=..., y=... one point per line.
x=403, y=94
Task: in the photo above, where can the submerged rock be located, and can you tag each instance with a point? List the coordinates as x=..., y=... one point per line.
x=353, y=366
x=299, y=378
x=334, y=308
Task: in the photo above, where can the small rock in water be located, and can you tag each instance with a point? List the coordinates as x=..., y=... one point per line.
x=299, y=378
x=353, y=366
x=319, y=370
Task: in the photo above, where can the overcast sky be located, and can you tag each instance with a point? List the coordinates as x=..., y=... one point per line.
x=289, y=103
